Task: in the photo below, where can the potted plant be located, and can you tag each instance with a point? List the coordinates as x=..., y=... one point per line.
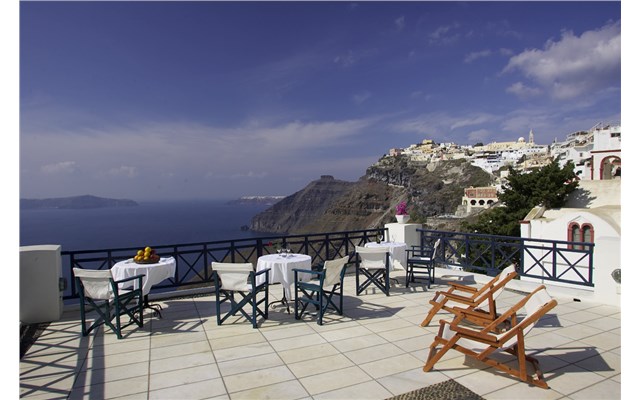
x=401, y=213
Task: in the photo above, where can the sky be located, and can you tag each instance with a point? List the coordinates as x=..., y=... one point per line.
x=208, y=100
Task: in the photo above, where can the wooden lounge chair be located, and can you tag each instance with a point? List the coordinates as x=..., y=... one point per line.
x=482, y=343
x=481, y=300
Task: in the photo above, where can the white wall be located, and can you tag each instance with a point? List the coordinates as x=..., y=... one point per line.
x=606, y=254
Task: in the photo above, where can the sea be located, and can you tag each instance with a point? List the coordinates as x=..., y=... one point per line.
x=148, y=224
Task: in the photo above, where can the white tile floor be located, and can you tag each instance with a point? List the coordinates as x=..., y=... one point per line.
x=375, y=351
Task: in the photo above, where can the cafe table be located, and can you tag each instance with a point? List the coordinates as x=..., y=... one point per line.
x=282, y=266
x=397, y=253
x=153, y=274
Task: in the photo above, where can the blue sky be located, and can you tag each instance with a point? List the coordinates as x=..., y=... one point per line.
x=169, y=100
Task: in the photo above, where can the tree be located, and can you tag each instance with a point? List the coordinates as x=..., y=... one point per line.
x=548, y=186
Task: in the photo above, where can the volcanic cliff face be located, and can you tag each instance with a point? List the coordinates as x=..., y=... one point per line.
x=432, y=188
x=328, y=204
x=302, y=208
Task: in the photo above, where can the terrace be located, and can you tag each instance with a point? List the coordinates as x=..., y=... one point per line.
x=376, y=350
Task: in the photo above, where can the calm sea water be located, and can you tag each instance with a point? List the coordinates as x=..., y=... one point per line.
x=149, y=224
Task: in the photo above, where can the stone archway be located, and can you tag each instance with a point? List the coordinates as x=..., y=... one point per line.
x=611, y=168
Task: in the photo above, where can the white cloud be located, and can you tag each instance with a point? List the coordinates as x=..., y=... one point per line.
x=523, y=91
x=440, y=124
x=360, y=98
x=574, y=66
x=479, y=135
x=473, y=119
x=123, y=170
x=250, y=174
x=345, y=60
x=476, y=55
x=64, y=167
x=419, y=94
x=400, y=23
x=351, y=57
x=505, y=52
x=444, y=34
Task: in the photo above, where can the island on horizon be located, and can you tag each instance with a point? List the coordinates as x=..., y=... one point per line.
x=75, y=202
x=264, y=200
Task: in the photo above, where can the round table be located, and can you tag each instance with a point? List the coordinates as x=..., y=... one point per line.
x=282, y=269
x=153, y=274
x=397, y=253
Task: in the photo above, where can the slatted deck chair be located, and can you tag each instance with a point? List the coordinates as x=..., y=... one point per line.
x=480, y=302
x=373, y=263
x=240, y=278
x=101, y=293
x=482, y=343
x=321, y=291
x=421, y=261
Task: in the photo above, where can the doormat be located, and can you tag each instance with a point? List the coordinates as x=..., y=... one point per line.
x=447, y=390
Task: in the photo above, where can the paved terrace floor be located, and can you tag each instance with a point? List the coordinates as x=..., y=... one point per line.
x=375, y=351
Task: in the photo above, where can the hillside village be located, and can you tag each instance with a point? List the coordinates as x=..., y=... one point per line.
x=444, y=184
x=595, y=154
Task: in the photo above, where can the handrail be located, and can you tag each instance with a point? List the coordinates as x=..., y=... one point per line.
x=193, y=260
x=551, y=260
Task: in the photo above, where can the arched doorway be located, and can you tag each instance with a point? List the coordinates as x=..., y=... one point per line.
x=611, y=168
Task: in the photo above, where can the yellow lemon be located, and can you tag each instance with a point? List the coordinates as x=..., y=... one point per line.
x=140, y=252
x=147, y=249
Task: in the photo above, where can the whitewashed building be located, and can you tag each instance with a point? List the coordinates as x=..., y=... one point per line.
x=592, y=214
x=596, y=153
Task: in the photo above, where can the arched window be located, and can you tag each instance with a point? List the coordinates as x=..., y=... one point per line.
x=473, y=202
x=579, y=233
x=586, y=232
x=573, y=233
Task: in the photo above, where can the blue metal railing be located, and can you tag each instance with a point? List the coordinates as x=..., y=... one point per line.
x=551, y=260
x=567, y=262
x=193, y=260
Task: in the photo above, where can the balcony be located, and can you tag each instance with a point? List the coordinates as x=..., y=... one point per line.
x=375, y=351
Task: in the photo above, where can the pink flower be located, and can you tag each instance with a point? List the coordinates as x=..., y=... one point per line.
x=401, y=208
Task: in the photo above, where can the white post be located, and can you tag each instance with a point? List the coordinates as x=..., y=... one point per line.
x=40, y=294
x=403, y=233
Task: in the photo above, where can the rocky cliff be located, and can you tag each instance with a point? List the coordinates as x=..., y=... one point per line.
x=328, y=204
x=302, y=208
x=432, y=189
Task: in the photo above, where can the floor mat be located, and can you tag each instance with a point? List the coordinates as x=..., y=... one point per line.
x=447, y=390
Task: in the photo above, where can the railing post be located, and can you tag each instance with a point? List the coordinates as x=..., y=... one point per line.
x=493, y=254
x=206, y=261
x=345, y=241
x=554, y=261
x=259, y=247
x=591, y=264
x=72, y=261
x=175, y=257
x=306, y=244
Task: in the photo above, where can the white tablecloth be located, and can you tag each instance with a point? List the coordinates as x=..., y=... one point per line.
x=397, y=253
x=154, y=273
x=282, y=269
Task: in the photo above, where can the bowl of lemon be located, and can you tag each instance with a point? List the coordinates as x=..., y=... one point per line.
x=146, y=256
